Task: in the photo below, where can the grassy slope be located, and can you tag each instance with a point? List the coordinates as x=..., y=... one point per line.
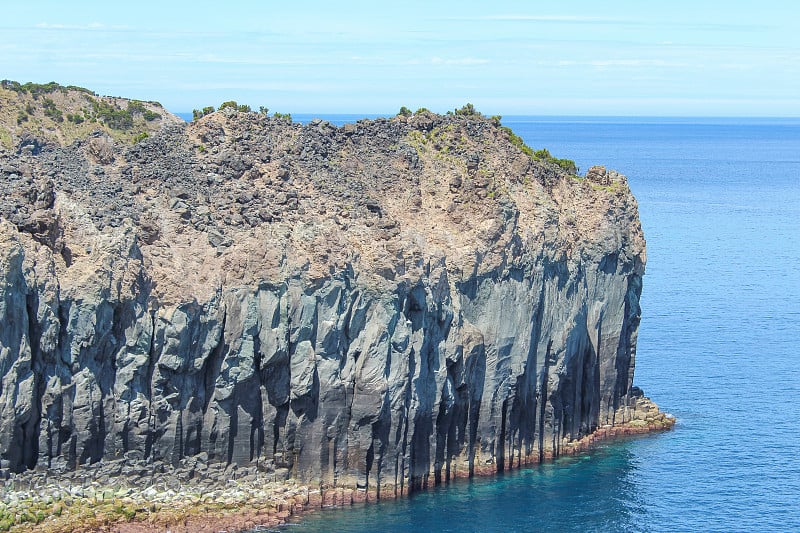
x=49, y=112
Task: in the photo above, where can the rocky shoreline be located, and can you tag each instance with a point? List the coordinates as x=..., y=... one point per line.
x=131, y=495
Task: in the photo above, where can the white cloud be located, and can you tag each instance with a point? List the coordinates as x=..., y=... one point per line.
x=628, y=63
x=264, y=86
x=610, y=63
x=545, y=18
x=459, y=61
x=92, y=26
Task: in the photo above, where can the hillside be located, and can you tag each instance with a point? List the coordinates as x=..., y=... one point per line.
x=57, y=114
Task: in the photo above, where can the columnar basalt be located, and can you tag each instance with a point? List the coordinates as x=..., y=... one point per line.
x=380, y=306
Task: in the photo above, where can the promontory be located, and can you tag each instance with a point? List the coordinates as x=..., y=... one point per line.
x=363, y=310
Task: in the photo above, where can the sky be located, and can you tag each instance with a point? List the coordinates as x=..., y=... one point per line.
x=634, y=58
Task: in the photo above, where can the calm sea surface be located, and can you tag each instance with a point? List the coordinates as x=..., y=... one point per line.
x=719, y=200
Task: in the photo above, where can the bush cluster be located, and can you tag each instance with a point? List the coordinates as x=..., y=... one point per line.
x=244, y=108
x=50, y=110
x=112, y=115
x=136, y=107
x=118, y=118
x=539, y=155
x=38, y=89
x=468, y=110
x=197, y=114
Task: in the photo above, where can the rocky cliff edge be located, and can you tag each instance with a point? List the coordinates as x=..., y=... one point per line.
x=379, y=306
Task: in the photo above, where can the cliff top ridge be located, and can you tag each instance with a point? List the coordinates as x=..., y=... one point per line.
x=238, y=197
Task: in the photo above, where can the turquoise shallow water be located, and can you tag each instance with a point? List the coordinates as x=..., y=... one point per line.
x=719, y=201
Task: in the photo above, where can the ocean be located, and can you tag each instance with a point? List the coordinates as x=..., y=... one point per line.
x=719, y=201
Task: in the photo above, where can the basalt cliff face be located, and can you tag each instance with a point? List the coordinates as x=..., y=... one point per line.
x=381, y=305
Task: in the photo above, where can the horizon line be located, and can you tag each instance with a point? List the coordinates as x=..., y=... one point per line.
x=536, y=115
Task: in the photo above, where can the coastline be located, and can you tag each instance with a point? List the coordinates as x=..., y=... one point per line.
x=90, y=501
x=328, y=304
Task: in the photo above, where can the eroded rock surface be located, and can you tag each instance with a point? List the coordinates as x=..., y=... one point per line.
x=383, y=305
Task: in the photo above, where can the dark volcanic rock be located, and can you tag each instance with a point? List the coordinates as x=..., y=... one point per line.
x=383, y=305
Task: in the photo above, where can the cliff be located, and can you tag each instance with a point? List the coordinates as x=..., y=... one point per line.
x=380, y=306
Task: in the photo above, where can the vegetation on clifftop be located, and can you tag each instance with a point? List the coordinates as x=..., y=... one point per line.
x=38, y=89
x=75, y=111
x=469, y=110
x=63, y=113
x=543, y=154
x=197, y=114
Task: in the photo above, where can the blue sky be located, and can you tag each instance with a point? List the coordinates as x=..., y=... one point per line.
x=684, y=58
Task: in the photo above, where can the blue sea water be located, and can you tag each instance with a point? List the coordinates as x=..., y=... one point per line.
x=719, y=201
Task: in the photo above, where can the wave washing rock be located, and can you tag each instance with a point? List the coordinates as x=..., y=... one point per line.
x=380, y=306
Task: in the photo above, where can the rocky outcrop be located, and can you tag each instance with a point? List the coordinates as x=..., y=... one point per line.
x=381, y=306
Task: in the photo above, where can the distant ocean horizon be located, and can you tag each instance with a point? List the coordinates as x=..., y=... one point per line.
x=339, y=119
x=719, y=201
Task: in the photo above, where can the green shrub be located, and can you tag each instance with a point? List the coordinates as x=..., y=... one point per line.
x=263, y=110
x=50, y=110
x=230, y=103
x=286, y=116
x=11, y=85
x=468, y=110
x=567, y=164
x=118, y=119
x=77, y=118
x=422, y=110
x=140, y=137
x=135, y=106
x=243, y=108
x=542, y=154
x=404, y=111
x=129, y=514
x=112, y=115
x=200, y=113
x=517, y=141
